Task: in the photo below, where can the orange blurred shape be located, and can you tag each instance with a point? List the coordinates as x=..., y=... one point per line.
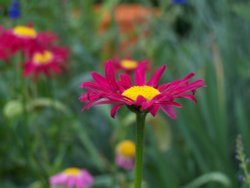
x=126, y=16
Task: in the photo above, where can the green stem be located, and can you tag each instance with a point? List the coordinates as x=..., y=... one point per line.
x=140, y=120
x=29, y=153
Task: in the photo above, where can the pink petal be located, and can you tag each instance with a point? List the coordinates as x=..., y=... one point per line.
x=156, y=77
x=55, y=68
x=140, y=99
x=176, y=83
x=190, y=87
x=115, y=109
x=88, y=179
x=154, y=109
x=125, y=80
x=124, y=162
x=140, y=76
x=176, y=104
x=91, y=86
x=110, y=75
x=190, y=75
x=99, y=79
x=169, y=111
x=89, y=104
x=146, y=105
x=47, y=37
x=80, y=183
x=71, y=181
x=28, y=69
x=89, y=96
x=188, y=96
x=58, y=179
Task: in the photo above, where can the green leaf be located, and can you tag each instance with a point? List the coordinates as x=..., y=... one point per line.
x=47, y=102
x=210, y=177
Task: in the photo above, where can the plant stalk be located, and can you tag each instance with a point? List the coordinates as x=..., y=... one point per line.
x=140, y=121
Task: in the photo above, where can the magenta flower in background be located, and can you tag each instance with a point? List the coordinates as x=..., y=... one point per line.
x=128, y=65
x=45, y=61
x=22, y=38
x=125, y=155
x=141, y=95
x=72, y=178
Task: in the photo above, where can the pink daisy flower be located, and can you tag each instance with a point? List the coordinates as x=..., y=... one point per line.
x=72, y=178
x=141, y=95
x=22, y=38
x=125, y=154
x=45, y=61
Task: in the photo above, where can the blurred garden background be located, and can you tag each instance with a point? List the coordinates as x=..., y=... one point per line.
x=43, y=130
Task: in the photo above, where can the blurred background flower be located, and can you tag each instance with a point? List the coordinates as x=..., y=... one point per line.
x=127, y=17
x=72, y=177
x=128, y=65
x=45, y=61
x=179, y=1
x=15, y=9
x=22, y=38
x=125, y=154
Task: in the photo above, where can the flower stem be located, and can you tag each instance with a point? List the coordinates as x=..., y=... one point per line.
x=140, y=120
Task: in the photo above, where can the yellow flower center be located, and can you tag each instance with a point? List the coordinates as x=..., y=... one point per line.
x=23, y=31
x=42, y=58
x=147, y=92
x=126, y=148
x=72, y=171
x=129, y=64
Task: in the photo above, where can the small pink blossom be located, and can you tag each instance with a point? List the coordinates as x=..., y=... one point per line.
x=72, y=178
x=127, y=163
x=125, y=155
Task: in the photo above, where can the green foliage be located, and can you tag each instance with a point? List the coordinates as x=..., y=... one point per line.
x=49, y=132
